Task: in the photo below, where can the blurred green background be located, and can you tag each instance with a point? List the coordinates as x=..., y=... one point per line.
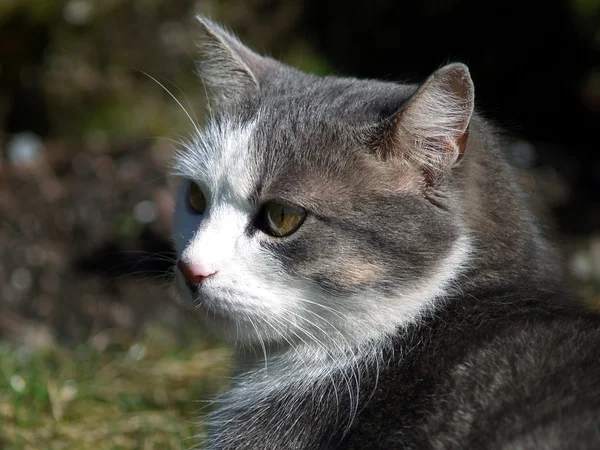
x=94, y=351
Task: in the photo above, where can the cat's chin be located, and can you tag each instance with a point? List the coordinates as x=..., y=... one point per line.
x=221, y=307
x=223, y=318
x=220, y=322
x=230, y=327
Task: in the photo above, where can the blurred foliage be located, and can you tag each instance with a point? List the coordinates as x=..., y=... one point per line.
x=91, y=69
x=37, y=10
x=96, y=66
x=587, y=9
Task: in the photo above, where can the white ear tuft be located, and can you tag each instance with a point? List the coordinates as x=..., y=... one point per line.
x=432, y=128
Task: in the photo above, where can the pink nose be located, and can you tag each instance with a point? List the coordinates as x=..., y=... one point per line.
x=194, y=274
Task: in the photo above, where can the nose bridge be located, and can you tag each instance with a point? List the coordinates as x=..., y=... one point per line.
x=214, y=243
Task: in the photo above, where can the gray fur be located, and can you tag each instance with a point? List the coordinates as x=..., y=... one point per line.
x=433, y=314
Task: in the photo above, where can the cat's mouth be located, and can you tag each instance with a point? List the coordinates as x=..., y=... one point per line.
x=218, y=301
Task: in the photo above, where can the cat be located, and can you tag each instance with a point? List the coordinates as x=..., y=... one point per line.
x=370, y=242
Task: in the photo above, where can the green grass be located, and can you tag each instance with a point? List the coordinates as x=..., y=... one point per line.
x=136, y=395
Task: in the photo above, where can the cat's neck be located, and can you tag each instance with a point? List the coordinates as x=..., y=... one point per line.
x=302, y=399
x=509, y=246
x=271, y=401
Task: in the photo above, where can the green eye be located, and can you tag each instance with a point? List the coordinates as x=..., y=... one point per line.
x=196, y=199
x=280, y=220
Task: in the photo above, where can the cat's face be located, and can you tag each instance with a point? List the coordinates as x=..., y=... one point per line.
x=303, y=225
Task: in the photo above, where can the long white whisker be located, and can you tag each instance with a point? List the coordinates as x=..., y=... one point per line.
x=195, y=125
x=260, y=340
x=328, y=353
x=187, y=100
x=354, y=372
x=327, y=308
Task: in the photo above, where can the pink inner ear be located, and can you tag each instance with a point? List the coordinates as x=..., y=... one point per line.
x=461, y=142
x=449, y=145
x=431, y=130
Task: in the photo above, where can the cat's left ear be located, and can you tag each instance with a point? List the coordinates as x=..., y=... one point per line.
x=230, y=70
x=431, y=130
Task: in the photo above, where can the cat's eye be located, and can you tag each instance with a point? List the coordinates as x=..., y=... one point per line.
x=195, y=199
x=279, y=219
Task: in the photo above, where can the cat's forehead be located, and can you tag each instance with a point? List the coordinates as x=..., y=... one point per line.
x=302, y=98
x=312, y=130
x=243, y=162
x=319, y=122
x=300, y=139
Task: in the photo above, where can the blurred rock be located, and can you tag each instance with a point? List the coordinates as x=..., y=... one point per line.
x=78, y=12
x=21, y=279
x=29, y=335
x=146, y=212
x=585, y=261
x=25, y=149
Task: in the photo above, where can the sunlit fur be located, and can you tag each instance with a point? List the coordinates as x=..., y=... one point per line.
x=384, y=272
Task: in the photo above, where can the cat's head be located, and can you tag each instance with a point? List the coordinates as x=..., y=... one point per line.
x=319, y=209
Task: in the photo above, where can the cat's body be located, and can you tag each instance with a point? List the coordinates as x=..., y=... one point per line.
x=519, y=371
x=514, y=373
x=369, y=240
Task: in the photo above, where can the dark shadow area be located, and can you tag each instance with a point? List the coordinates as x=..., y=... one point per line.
x=151, y=255
x=535, y=66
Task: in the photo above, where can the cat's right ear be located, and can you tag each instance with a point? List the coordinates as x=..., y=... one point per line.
x=230, y=71
x=431, y=130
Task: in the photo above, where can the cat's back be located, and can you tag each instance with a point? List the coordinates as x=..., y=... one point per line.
x=518, y=372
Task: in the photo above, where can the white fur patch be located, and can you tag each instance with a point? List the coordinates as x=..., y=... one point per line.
x=249, y=288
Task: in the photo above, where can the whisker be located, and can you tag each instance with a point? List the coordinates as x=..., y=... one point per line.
x=187, y=100
x=194, y=124
x=355, y=375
